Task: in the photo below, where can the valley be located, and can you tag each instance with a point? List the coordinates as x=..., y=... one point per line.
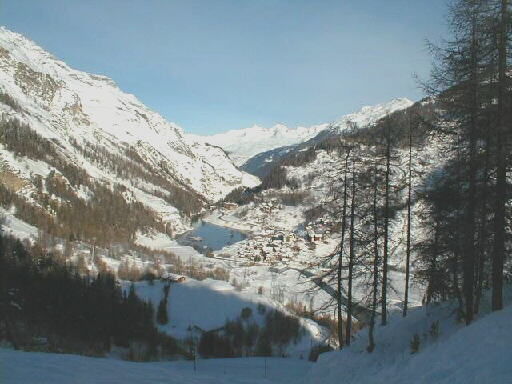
x=370, y=248
x=275, y=242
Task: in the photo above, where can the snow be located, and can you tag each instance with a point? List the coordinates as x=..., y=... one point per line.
x=246, y=143
x=41, y=368
x=61, y=103
x=64, y=104
x=16, y=227
x=456, y=354
x=479, y=353
x=209, y=303
x=156, y=241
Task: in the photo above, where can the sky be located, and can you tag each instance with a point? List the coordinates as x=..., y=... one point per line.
x=215, y=65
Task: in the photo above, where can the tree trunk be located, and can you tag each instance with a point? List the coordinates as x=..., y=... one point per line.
x=384, y=316
x=408, y=245
x=501, y=182
x=348, y=331
x=469, y=238
x=371, y=341
x=483, y=233
x=340, y=256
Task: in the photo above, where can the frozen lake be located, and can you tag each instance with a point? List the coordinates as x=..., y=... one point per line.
x=210, y=237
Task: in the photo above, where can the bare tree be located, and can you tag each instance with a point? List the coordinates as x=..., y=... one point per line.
x=348, y=331
x=408, y=243
x=340, y=257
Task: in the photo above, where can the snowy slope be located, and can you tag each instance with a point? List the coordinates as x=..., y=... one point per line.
x=456, y=354
x=43, y=368
x=243, y=144
x=476, y=354
x=74, y=107
x=209, y=303
x=13, y=226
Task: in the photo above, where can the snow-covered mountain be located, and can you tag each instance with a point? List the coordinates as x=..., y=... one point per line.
x=61, y=103
x=93, y=127
x=243, y=144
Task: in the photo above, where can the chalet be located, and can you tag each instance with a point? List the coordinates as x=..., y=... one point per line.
x=230, y=206
x=316, y=236
x=173, y=278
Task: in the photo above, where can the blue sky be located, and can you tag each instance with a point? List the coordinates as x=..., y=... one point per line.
x=214, y=65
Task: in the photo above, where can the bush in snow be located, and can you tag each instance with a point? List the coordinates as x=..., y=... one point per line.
x=434, y=330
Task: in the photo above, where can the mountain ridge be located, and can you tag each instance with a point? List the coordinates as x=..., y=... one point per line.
x=247, y=143
x=68, y=137
x=86, y=104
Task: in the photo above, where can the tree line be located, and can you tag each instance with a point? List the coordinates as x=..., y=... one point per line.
x=50, y=307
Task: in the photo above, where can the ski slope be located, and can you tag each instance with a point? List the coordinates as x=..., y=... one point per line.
x=43, y=368
x=476, y=354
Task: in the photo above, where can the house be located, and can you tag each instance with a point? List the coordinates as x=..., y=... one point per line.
x=290, y=238
x=316, y=236
x=230, y=206
x=173, y=278
x=268, y=249
x=278, y=237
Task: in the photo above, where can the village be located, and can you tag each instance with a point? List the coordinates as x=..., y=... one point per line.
x=271, y=244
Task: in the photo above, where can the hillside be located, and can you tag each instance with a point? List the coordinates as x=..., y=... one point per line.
x=207, y=305
x=69, y=137
x=448, y=353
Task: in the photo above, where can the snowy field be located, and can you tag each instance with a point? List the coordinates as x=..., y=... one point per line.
x=209, y=303
x=41, y=368
x=15, y=227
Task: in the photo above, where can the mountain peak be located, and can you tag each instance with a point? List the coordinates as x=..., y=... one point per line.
x=370, y=114
x=243, y=144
